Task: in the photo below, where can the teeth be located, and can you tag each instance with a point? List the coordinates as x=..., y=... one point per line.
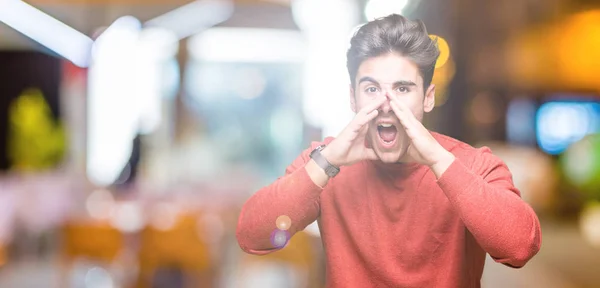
x=385, y=125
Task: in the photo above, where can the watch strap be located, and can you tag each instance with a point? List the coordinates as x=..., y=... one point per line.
x=322, y=162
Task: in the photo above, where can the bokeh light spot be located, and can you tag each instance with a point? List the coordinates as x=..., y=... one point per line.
x=444, y=50
x=283, y=222
x=581, y=165
x=279, y=238
x=484, y=110
x=590, y=223
x=100, y=204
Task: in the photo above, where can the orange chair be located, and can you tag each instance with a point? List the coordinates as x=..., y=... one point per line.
x=90, y=240
x=299, y=254
x=178, y=246
x=97, y=241
x=3, y=257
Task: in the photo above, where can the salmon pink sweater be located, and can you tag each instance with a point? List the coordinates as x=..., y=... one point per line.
x=396, y=225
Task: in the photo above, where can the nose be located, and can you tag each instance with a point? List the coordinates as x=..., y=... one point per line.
x=385, y=107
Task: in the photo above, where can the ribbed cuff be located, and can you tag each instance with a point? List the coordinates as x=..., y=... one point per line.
x=456, y=180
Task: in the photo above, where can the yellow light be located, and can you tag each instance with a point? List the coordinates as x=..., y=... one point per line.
x=577, y=42
x=444, y=50
x=558, y=56
x=2, y=255
x=589, y=223
x=442, y=78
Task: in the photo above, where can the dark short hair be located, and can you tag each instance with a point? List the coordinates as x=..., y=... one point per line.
x=393, y=34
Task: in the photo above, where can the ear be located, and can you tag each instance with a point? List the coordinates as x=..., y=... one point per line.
x=352, y=99
x=429, y=99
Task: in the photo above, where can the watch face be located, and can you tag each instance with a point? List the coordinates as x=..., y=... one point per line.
x=331, y=171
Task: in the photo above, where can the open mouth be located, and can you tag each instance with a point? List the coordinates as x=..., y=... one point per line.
x=387, y=134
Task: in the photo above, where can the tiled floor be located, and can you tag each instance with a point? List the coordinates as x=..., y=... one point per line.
x=565, y=261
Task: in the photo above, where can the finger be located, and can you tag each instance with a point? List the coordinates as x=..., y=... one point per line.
x=374, y=105
x=362, y=121
x=371, y=155
x=365, y=115
x=368, y=113
x=409, y=116
x=401, y=114
x=410, y=154
x=362, y=132
x=359, y=126
x=411, y=127
x=402, y=107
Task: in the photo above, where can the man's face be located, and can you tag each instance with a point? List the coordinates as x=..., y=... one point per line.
x=397, y=77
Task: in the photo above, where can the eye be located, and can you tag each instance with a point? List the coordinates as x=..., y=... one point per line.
x=403, y=89
x=371, y=89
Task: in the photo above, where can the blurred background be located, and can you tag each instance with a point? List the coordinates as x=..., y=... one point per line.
x=132, y=131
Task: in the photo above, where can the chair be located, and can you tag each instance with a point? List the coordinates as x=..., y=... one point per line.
x=94, y=241
x=179, y=246
x=299, y=256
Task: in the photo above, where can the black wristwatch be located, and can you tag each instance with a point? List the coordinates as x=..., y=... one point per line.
x=329, y=169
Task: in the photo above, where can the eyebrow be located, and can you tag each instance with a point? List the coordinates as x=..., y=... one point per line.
x=397, y=83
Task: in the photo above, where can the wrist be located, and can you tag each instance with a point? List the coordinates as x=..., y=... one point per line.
x=441, y=165
x=327, y=152
x=316, y=174
x=444, y=158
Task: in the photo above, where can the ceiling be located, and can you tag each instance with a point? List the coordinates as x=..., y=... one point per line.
x=87, y=16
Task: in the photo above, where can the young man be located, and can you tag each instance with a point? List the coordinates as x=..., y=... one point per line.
x=409, y=207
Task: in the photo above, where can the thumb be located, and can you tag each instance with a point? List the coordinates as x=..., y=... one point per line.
x=371, y=155
x=411, y=154
x=362, y=133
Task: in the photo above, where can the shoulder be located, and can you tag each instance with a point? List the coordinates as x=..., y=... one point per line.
x=458, y=148
x=480, y=159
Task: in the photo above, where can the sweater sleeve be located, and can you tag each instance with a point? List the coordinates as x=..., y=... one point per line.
x=294, y=195
x=491, y=208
